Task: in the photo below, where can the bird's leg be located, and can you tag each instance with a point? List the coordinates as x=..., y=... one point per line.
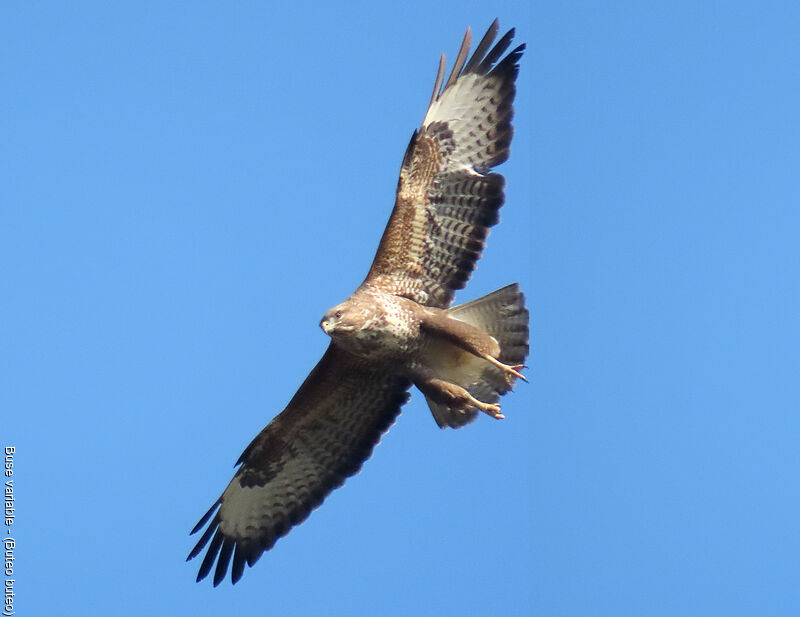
x=507, y=369
x=469, y=338
x=455, y=397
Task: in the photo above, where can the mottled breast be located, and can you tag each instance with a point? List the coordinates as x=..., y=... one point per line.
x=388, y=329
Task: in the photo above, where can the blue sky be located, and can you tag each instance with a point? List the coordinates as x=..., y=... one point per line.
x=187, y=187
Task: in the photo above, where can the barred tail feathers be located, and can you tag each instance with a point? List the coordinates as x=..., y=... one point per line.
x=501, y=314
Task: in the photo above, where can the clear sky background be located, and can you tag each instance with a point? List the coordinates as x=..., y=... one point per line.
x=186, y=188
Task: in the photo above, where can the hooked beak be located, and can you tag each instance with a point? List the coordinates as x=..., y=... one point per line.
x=329, y=328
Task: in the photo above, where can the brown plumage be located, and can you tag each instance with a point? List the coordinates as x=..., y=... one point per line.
x=396, y=329
x=446, y=198
x=502, y=316
x=328, y=429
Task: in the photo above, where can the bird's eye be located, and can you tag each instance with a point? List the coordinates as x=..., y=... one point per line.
x=338, y=314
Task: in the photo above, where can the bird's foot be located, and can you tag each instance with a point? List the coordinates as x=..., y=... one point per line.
x=488, y=408
x=464, y=401
x=510, y=371
x=456, y=397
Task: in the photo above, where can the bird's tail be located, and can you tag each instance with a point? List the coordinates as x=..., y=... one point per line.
x=501, y=314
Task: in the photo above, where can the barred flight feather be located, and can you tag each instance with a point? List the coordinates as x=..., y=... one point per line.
x=446, y=198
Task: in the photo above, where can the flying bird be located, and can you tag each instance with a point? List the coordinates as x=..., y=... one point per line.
x=397, y=329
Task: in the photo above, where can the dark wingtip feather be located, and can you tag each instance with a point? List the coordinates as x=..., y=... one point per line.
x=483, y=47
x=223, y=560
x=202, y=541
x=437, y=85
x=480, y=62
x=239, y=559
x=254, y=556
x=206, y=516
x=509, y=66
x=460, y=59
x=498, y=50
x=211, y=555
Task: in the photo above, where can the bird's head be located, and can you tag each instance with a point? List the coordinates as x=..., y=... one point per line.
x=341, y=319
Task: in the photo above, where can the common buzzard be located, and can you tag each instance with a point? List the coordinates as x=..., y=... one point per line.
x=397, y=328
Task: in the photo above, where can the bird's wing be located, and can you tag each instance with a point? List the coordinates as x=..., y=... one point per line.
x=447, y=197
x=323, y=436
